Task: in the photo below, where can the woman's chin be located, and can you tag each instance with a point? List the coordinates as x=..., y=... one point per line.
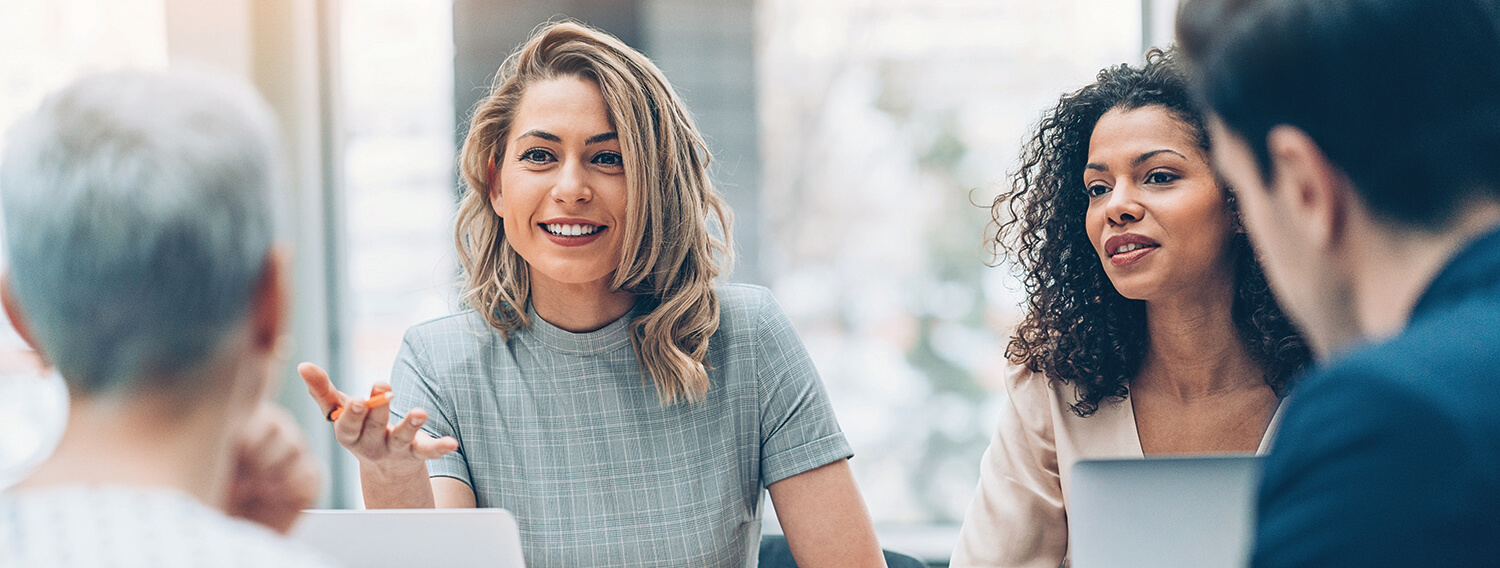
x=1136, y=288
x=569, y=274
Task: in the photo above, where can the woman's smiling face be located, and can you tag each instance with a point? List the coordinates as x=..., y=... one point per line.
x=561, y=185
x=1156, y=216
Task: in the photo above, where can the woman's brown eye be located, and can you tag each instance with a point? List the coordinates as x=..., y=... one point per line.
x=609, y=159
x=537, y=155
x=1161, y=177
x=1097, y=190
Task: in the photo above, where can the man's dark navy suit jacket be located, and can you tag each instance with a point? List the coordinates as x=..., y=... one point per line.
x=1390, y=454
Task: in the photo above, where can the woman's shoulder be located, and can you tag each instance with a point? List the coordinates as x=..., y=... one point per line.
x=740, y=299
x=1023, y=382
x=463, y=327
x=745, y=308
x=1035, y=395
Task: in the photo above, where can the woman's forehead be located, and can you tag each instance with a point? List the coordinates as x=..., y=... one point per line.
x=564, y=107
x=1125, y=134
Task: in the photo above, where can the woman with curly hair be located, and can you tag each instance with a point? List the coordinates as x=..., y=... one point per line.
x=603, y=386
x=1149, y=327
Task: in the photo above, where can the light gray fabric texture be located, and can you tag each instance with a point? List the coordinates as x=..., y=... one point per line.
x=135, y=527
x=564, y=430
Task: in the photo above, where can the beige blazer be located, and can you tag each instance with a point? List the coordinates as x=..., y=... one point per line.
x=1018, y=517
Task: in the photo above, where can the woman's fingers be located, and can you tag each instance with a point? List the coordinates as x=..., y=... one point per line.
x=349, y=428
x=406, y=430
x=363, y=428
x=408, y=436
x=377, y=421
x=427, y=448
x=320, y=387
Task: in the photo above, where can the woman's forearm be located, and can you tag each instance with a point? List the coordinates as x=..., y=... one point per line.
x=409, y=489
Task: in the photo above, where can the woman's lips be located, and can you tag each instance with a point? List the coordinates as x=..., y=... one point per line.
x=1141, y=245
x=1125, y=259
x=570, y=241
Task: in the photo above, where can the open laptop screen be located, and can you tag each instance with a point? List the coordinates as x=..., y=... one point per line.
x=1162, y=512
x=395, y=537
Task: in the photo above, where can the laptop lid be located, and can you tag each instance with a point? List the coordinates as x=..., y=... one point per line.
x=1162, y=512
x=457, y=538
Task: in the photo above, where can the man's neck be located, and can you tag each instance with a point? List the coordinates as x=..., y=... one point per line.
x=144, y=442
x=1392, y=271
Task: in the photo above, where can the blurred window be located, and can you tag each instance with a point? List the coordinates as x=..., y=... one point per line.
x=396, y=66
x=887, y=129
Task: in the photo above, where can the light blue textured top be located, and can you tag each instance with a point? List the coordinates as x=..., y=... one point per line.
x=564, y=430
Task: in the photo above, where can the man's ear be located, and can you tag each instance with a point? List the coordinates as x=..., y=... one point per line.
x=1311, y=189
x=270, y=310
x=492, y=181
x=13, y=311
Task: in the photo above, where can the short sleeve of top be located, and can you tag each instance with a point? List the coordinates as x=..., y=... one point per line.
x=566, y=431
x=413, y=389
x=798, y=428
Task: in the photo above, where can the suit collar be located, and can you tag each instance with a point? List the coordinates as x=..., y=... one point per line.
x=1474, y=269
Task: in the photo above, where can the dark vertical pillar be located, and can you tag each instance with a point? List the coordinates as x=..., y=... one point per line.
x=485, y=32
x=707, y=50
x=1148, y=25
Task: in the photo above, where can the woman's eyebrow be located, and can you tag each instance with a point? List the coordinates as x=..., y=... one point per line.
x=1141, y=159
x=544, y=135
x=597, y=138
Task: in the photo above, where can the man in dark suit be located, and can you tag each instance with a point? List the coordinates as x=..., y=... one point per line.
x=1362, y=138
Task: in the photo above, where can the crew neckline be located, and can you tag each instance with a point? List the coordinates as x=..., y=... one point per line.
x=608, y=338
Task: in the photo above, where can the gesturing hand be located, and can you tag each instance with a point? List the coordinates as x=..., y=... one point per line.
x=389, y=450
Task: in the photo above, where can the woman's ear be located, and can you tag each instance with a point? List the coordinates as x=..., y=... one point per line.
x=492, y=184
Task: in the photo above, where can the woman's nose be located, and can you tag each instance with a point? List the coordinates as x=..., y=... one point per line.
x=1124, y=205
x=572, y=184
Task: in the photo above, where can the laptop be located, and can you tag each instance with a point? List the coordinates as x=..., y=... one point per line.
x=456, y=538
x=1162, y=512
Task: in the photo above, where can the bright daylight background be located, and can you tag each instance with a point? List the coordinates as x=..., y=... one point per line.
x=879, y=131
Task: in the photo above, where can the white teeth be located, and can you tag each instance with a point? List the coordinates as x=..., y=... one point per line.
x=1130, y=247
x=571, y=230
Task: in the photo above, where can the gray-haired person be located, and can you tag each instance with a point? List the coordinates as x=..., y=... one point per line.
x=144, y=266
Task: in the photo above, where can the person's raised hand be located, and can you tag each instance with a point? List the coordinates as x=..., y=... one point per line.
x=385, y=449
x=275, y=476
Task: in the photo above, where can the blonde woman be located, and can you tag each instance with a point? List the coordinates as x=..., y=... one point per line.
x=601, y=386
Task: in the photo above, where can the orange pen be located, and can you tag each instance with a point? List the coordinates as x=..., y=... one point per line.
x=380, y=399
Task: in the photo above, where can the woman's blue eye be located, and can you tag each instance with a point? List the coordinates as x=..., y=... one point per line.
x=609, y=159
x=1097, y=190
x=1161, y=177
x=537, y=155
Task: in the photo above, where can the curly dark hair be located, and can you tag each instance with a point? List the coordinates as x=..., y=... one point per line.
x=1078, y=329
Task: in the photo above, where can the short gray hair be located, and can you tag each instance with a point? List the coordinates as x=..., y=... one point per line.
x=139, y=211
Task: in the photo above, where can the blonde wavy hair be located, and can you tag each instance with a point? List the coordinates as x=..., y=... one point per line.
x=671, y=256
